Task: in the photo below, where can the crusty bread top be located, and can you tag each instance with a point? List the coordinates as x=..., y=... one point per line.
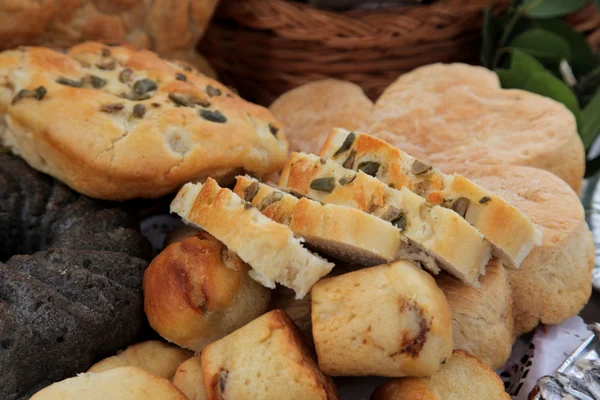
x=116, y=384
x=137, y=125
x=309, y=111
x=451, y=114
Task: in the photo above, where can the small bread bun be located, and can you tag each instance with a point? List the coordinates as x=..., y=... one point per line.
x=153, y=356
x=188, y=379
x=197, y=291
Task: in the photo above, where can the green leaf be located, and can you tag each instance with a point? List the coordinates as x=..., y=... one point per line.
x=511, y=79
x=582, y=58
x=551, y=8
x=546, y=46
x=546, y=84
x=490, y=34
x=524, y=63
x=591, y=120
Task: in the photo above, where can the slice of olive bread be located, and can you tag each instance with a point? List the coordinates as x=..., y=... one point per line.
x=270, y=248
x=344, y=233
x=455, y=245
x=511, y=233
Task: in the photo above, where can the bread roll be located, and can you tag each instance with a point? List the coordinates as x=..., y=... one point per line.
x=450, y=115
x=482, y=318
x=153, y=356
x=266, y=359
x=463, y=377
x=188, y=379
x=116, y=384
x=308, y=112
x=197, y=291
x=117, y=123
x=389, y=320
x=555, y=280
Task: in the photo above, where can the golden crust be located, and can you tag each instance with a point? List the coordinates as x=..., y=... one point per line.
x=389, y=320
x=482, y=318
x=554, y=281
x=309, y=111
x=197, y=291
x=115, y=384
x=266, y=359
x=463, y=377
x=454, y=114
x=117, y=154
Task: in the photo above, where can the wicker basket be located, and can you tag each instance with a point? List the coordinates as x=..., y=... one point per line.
x=266, y=47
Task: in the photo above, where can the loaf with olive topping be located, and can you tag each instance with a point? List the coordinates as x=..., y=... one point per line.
x=118, y=123
x=444, y=238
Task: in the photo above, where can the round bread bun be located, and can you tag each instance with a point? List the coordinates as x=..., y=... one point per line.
x=450, y=115
x=144, y=24
x=188, y=379
x=555, y=281
x=118, y=123
x=153, y=356
x=310, y=111
x=116, y=384
x=197, y=291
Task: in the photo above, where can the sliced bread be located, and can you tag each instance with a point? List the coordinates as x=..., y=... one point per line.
x=344, y=233
x=511, y=233
x=270, y=248
x=441, y=233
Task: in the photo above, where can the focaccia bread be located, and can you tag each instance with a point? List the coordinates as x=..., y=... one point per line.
x=309, y=111
x=197, y=291
x=344, y=233
x=482, y=318
x=463, y=377
x=129, y=383
x=118, y=123
x=266, y=359
x=448, y=240
x=555, y=280
x=270, y=248
x=511, y=233
x=389, y=320
x=153, y=356
x=450, y=115
x=169, y=27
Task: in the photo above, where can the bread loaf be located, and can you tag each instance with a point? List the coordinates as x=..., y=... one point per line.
x=266, y=359
x=197, y=291
x=439, y=236
x=389, y=320
x=511, y=233
x=270, y=248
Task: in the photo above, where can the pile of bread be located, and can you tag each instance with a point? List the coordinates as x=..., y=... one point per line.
x=378, y=260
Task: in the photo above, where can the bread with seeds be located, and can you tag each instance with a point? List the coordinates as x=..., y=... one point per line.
x=388, y=320
x=118, y=123
x=344, y=233
x=266, y=359
x=438, y=236
x=511, y=233
x=270, y=248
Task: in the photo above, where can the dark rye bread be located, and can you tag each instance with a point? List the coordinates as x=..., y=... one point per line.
x=70, y=287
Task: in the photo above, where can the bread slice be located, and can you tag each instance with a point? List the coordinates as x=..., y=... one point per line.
x=446, y=237
x=511, y=233
x=463, y=377
x=344, y=233
x=270, y=248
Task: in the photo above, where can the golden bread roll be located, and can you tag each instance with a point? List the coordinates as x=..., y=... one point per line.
x=116, y=384
x=308, y=112
x=482, y=318
x=266, y=359
x=117, y=123
x=188, y=378
x=555, y=281
x=389, y=320
x=450, y=115
x=197, y=291
x=462, y=377
x=153, y=356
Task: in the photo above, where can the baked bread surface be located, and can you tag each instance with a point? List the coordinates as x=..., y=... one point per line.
x=118, y=123
x=188, y=378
